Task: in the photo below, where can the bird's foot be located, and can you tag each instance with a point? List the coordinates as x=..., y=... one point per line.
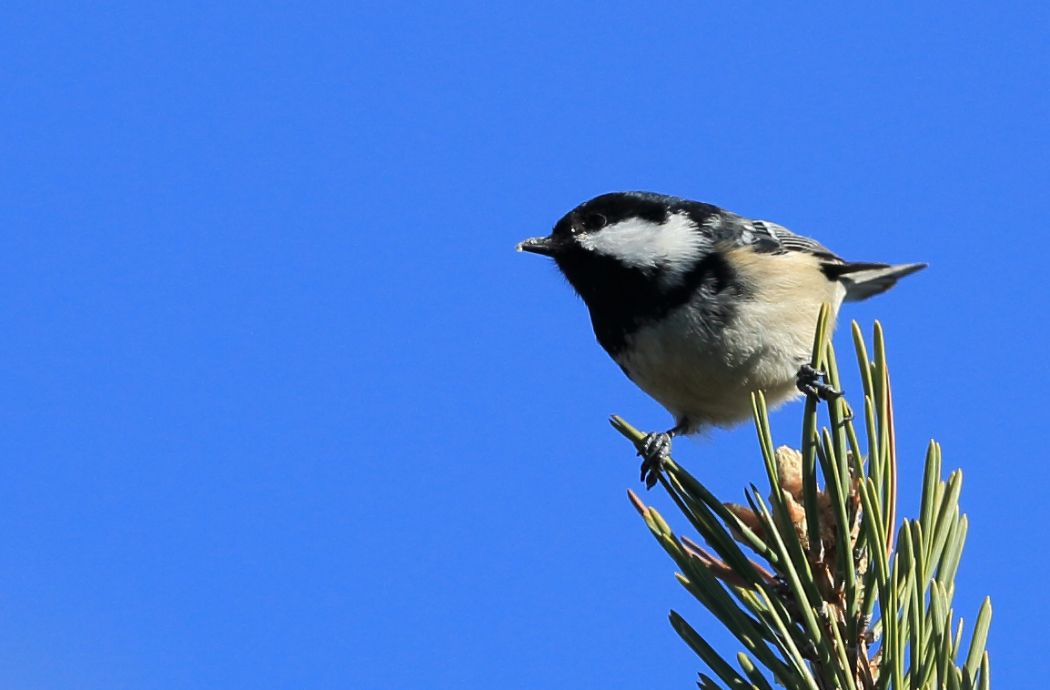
x=808, y=381
x=656, y=448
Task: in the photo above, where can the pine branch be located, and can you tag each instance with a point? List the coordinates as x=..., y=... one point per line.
x=797, y=578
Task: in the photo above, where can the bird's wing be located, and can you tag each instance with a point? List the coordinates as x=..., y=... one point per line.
x=789, y=242
x=729, y=229
x=779, y=240
x=861, y=279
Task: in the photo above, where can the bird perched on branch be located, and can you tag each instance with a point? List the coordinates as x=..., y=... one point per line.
x=700, y=306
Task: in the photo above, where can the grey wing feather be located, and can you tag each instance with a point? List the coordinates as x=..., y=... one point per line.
x=762, y=235
x=861, y=280
x=788, y=241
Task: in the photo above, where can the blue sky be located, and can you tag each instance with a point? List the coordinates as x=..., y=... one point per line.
x=283, y=408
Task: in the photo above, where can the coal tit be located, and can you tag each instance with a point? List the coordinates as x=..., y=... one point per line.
x=700, y=306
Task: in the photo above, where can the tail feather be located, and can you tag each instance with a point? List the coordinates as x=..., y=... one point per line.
x=863, y=280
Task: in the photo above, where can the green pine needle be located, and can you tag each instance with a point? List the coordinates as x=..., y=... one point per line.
x=796, y=577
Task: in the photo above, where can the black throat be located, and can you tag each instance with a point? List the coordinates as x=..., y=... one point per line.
x=623, y=299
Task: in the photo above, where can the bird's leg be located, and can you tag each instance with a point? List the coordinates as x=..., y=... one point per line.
x=808, y=381
x=656, y=448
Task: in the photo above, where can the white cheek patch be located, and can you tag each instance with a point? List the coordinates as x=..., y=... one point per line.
x=675, y=245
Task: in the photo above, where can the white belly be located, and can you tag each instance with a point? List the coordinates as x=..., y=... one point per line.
x=704, y=373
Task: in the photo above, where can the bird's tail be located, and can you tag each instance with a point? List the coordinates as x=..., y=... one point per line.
x=866, y=280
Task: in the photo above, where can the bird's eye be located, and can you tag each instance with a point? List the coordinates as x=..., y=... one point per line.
x=594, y=221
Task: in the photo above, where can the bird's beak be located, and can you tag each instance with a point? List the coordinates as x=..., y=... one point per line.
x=538, y=245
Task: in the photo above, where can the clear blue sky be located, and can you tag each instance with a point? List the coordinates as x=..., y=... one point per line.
x=283, y=409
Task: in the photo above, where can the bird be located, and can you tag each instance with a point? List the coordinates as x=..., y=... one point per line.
x=700, y=306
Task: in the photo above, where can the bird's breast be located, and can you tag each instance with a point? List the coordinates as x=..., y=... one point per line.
x=703, y=360
x=689, y=367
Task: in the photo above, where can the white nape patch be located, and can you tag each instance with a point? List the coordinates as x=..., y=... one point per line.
x=714, y=222
x=675, y=245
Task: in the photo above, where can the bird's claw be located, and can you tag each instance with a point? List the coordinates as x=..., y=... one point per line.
x=808, y=381
x=656, y=448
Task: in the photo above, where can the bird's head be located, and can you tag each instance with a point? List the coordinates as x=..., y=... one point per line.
x=624, y=236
